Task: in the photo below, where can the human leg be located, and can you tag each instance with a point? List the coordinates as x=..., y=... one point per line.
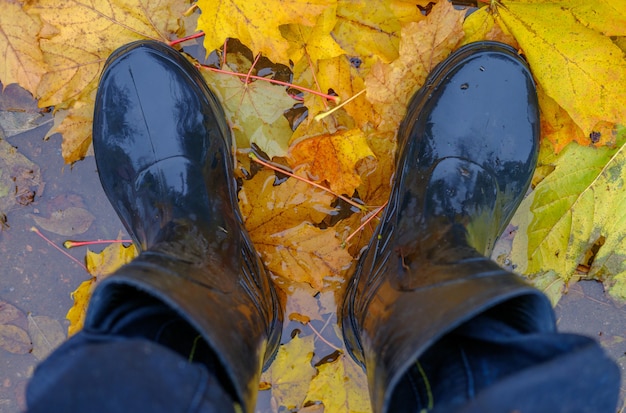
x=164, y=158
x=417, y=305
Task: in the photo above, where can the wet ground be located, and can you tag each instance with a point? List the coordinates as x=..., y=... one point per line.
x=37, y=279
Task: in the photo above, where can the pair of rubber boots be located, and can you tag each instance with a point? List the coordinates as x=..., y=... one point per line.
x=466, y=154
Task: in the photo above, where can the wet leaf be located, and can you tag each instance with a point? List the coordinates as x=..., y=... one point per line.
x=73, y=67
x=305, y=254
x=605, y=16
x=102, y=26
x=67, y=222
x=15, y=122
x=99, y=266
x=276, y=218
x=14, y=340
x=268, y=208
x=333, y=158
x=339, y=75
x=291, y=372
x=254, y=111
x=556, y=124
x=109, y=260
x=340, y=386
x=8, y=313
x=22, y=60
x=75, y=124
x=20, y=179
x=582, y=201
x=583, y=71
x=256, y=24
x=313, y=43
x=481, y=25
x=301, y=301
x=371, y=30
x=423, y=45
x=46, y=333
x=76, y=314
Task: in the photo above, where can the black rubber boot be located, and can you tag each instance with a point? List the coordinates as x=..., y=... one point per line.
x=163, y=151
x=424, y=288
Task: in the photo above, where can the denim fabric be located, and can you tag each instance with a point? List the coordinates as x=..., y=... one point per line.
x=103, y=373
x=486, y=365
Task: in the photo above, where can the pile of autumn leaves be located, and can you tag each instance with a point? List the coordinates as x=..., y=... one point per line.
x=373, y=55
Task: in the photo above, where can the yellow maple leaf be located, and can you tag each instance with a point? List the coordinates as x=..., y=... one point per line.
x=376, y=185
x=256, y=24
x=75, y=125
x=291, y=371
x=22, y=60
x=254, y=111
x=605, y=16
x=333, y=158
x=315, y=42
x=481, y=25
x=341, y=387
x=305, y=254
x=88, y=32
x=371, y=30
x=423, y=45
x=99, y=265
x=347, y=81
x=556, y=125
x=583, y=71
x=77, y=38
x=279, y=219
x=268, y=208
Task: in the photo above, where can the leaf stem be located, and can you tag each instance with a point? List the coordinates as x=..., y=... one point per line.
x=274, y=81
x=36, y=231
x=323, y=188
x=331, y=345
x=72, y=244
x=186, y=38
x=322, y=115
x=367, y=221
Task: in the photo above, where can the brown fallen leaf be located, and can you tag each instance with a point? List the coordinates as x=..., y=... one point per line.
x=67, y=222
x=305, y=254
x=46, y=334
x=8, y=312
x=20, y=179
x=301, y=301
x=14, y=340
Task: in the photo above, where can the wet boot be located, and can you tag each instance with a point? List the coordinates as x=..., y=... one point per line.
x=435, y=323
x=164, y=157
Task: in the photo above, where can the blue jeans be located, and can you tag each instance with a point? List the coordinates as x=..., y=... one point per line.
x=145, y=358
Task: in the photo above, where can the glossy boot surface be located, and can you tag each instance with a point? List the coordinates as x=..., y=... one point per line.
x=466, y=154
x=164, y=158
